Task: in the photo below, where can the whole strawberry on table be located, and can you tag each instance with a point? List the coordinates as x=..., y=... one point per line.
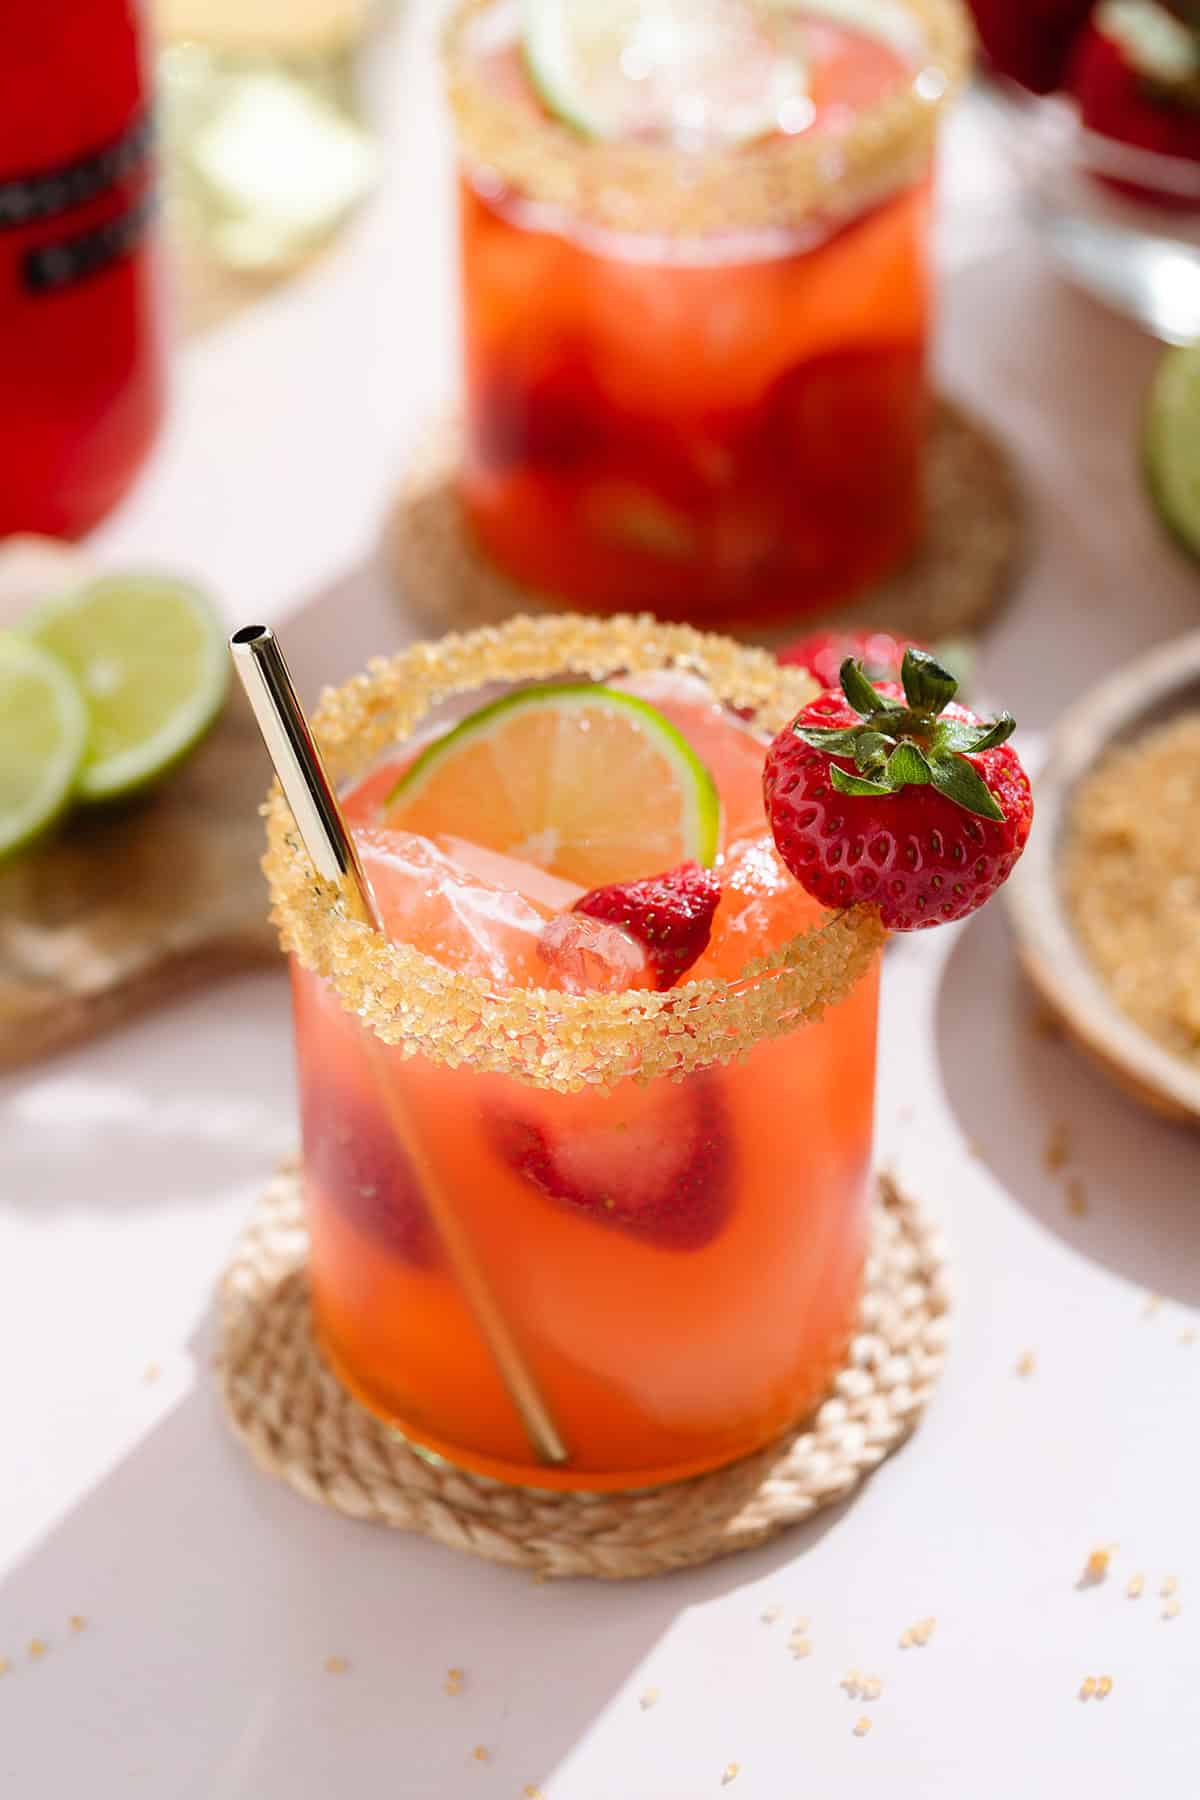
x=1131, y=66
x=897, y=797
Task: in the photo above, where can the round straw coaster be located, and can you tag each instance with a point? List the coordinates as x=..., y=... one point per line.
x=974, y=536
x=301, y=1425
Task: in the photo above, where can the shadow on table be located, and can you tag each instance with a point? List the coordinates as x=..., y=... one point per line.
x=1137, y=1175
x=212, y=1606
x=151, y=1121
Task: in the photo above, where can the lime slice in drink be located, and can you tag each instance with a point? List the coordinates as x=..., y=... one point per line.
x=593, y=785
x=674, y=71
x=43, y=741
x=1171, y=446
x=149, y=654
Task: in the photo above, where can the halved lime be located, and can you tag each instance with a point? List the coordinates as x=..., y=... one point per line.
x=594, y=785
x=720, y=73
x=1171, y=444
x=43, y=741
x=149, y=654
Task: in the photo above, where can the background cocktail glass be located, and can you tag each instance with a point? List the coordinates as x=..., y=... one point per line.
x=695, y=376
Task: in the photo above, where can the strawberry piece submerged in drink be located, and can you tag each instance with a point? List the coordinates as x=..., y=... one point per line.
x=352, y=1152
x=654, y=1162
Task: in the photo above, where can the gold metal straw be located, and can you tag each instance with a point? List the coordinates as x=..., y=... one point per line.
x=306, y=787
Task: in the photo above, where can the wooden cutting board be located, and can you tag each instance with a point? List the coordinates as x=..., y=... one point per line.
x=129, y=906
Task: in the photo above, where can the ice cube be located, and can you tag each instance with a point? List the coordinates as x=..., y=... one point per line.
x=538, y=886
x=429, y=901
x=583, y=955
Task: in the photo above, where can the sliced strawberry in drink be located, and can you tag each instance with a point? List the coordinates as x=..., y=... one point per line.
x=670, y=915
x=552, y=415
x=838, y=430
x=352, y=1154
x=656, y=1163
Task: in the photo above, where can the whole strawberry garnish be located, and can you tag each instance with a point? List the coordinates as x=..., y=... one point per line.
x=670, y=914
x=824, y=652
x=897, y=797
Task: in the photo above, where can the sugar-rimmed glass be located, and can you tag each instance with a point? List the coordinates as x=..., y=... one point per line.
x=695, y=378
x=657, y=1359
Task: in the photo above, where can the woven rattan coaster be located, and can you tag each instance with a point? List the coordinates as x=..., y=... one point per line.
x=974, y=535
x=300, y=1424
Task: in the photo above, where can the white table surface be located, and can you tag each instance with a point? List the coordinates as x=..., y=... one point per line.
x=213, y=1597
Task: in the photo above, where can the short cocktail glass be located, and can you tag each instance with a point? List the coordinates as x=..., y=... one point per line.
x=695, y=377
x=661, y=1349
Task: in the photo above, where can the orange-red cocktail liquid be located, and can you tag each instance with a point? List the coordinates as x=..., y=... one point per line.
x=665, y=1342
x=724, y=430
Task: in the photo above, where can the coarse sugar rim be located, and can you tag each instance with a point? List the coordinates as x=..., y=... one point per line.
x=537, y=1035
x=658, y=189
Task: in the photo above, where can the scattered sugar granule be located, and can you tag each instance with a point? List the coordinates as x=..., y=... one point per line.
x=862, y=1725
x=1169, y=1586
x=529, y=1792
x=648, y=1699
x=771, y=1614
x=335, y=1665
x=728, y=1774
x=1135, y=1585
x=872, y=1688
x=481, y=1753
x=77, y=1623
x=1026, y=1363
x=1104, y=1687
x=907, y=1640
x=151, y=1373
x=1153, y=1302
x=1088, y=1688
x=923, y=1632
x=1171, y=1610
x=1188, y=1336
x=1095, y=1569
x=37, y=1648
x=851, y=1682
x=1058, y=1148
x=453, y=1682
x=5, y=1665
x=1077, y=1200
x=799, y=1646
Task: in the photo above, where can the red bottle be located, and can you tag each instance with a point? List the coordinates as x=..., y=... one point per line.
x=81, y=364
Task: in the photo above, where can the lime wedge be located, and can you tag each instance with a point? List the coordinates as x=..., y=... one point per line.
x=43, y=741
x=1171, y=445
x=593, y=785
x=149, y=654
x=665, y=70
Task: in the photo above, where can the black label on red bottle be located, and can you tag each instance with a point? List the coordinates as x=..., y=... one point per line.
x=65, y=261
x=48, y=193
